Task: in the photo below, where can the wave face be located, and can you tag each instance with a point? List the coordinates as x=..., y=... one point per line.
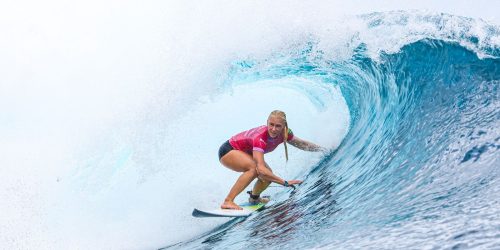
x=110, y=125
x=419, y=164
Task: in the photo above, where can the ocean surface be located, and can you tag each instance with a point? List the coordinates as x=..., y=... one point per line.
x=111, y=142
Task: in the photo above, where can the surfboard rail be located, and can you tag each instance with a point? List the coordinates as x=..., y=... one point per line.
x=248, y=209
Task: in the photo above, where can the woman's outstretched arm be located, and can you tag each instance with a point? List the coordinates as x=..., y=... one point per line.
x=305, y=145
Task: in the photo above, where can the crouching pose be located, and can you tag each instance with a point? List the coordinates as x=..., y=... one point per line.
x=244, y=153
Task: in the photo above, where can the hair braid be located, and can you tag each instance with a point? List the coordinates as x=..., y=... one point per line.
x=282, y=115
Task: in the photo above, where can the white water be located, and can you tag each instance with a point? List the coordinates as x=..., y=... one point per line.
x=96, y=100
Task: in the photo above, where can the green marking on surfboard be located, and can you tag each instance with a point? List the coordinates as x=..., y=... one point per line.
x=248, y=209
x=253, y=207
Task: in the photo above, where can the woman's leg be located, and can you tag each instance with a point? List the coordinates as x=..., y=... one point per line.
x=240, y=162
x=261, y=184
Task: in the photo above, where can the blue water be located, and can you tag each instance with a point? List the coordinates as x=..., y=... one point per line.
x=419, y=167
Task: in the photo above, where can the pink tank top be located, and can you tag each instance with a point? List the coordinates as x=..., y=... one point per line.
x=257, y=139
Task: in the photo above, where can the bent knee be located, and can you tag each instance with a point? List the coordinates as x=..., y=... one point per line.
x=253, y=171
x=260, y=172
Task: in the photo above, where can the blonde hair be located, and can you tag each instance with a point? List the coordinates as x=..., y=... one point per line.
x=280, y=114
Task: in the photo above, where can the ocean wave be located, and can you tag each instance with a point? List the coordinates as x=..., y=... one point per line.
x=419, y=165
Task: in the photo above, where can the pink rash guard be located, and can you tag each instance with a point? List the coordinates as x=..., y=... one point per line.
x=257, y=139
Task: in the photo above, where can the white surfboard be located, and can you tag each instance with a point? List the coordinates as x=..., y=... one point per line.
x=248, y=209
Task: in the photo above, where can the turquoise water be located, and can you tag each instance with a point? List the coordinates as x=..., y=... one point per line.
x=112, y=113
x=419, y=167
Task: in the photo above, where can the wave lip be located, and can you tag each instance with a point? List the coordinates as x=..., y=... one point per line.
x=390, y=31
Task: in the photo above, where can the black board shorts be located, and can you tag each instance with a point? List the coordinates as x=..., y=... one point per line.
x=224, y=149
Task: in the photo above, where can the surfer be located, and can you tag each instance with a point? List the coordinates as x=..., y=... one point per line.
x=244, y=152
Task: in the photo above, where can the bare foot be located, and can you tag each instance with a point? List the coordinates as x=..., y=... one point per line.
x=230, y=205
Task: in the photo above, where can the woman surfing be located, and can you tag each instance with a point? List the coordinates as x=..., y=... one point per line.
x=244, y=152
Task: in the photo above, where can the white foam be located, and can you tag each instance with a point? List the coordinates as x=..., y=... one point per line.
x=92, y=93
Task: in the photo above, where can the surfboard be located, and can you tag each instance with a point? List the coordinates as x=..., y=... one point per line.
x=248, y=209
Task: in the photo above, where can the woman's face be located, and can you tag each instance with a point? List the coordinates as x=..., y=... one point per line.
x=275, y=126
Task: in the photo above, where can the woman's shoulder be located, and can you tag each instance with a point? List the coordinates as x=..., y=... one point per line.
x=261, y=129
x=257, y=131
